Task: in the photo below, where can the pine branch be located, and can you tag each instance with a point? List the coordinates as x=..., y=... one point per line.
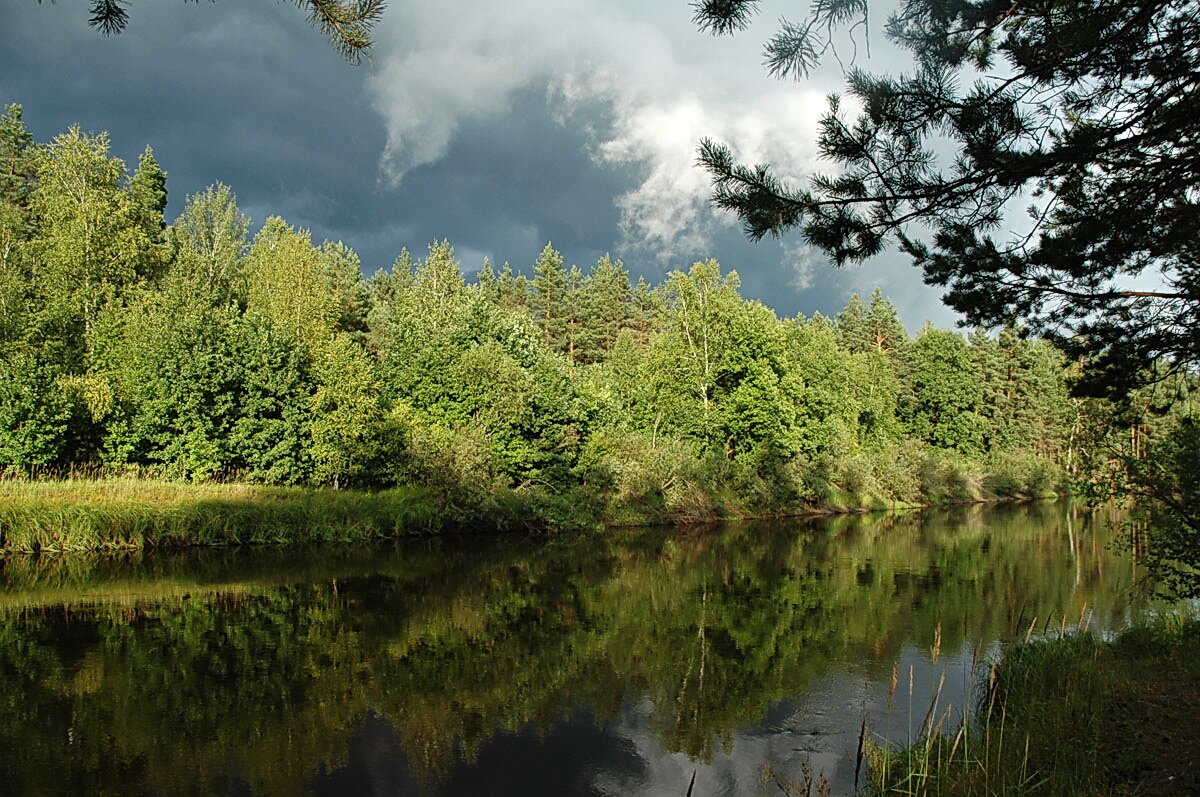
x=347, y=23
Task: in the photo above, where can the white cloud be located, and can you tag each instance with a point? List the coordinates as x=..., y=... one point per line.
x=667, y=87
x=803, y=261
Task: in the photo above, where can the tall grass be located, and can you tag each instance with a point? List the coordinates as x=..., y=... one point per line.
x=1076, y=715
x=100, y=514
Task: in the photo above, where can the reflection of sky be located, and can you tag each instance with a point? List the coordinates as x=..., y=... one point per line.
x=899, y=573
x=816, y=731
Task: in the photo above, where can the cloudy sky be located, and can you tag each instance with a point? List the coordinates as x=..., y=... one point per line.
x=500, y=126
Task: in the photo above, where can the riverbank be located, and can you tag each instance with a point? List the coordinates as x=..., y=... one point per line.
x=97, y=513
x=100, y=514
x=1071, y=716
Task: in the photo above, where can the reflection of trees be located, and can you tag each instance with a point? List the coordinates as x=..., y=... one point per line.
x=179, y=673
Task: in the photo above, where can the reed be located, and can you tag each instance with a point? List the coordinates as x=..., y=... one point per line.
x=126, y=513
x=1073, y=715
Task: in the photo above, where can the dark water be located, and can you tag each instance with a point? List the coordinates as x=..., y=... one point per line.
x=623, y=664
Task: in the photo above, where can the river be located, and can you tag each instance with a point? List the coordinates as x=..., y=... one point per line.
x=639, y=662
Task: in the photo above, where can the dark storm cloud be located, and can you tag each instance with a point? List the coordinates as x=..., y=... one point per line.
x=250, y=95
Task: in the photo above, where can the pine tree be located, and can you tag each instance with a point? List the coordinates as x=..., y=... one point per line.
x=646, y=309
x=343, y=277
x=347, y=23
x=551, y=307
x=853, y=331
x=17, y=171
x=513, y=290
x=604, y=307
x=885, y=332
x=934, y=158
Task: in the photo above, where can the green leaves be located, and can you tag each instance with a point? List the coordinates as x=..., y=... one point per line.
x=1089, y=102
x=189, y=350
x=35, y=409
x=90, y=242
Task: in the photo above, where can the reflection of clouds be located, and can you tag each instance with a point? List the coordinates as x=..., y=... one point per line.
x=818, y=729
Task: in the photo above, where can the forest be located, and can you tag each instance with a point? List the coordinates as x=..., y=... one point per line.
x=194, y=351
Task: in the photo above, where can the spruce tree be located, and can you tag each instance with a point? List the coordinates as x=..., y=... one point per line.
x=17, y=166
x=851, y=324
x=148, y=188
x=550, y=298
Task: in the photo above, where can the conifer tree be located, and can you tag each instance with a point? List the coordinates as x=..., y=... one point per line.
x=851, y=323
x=17, y=165
x=343, y=276
x=513, y=290
x=17, y=169
x=148, y=188
x=550, y=298
x=604, y=306
x=1107, y=151
x=885, y=332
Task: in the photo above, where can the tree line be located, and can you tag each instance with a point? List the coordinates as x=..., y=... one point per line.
x=201, y=351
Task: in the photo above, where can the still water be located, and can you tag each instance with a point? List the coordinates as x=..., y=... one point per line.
x=632, y=663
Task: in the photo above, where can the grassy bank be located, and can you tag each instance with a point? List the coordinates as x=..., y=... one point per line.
x=1072, y=716
x=98, y=514
x=93, y=510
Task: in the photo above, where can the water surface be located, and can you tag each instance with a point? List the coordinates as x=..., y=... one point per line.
x=620, y=664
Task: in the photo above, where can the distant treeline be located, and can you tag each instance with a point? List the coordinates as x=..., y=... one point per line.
x=192, y=351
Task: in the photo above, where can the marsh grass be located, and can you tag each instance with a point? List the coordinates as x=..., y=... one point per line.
x=134, y=513
x=1073, y=715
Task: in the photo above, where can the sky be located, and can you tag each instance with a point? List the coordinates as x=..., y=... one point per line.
x=498, y=126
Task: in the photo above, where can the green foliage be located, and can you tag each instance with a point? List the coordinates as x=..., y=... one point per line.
x=1073, y=715
x=346, y=413
x=933, y=160
x=91, y=242
x=1169, y=477
x=551, y=301
x=343, y=278
x=35, y=409
x=209, y=241
x=287, y=285
x=946, y=394
x=564, y=399
x=17, y=164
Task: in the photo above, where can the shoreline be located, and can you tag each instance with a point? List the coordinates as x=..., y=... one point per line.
x=128, y=514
